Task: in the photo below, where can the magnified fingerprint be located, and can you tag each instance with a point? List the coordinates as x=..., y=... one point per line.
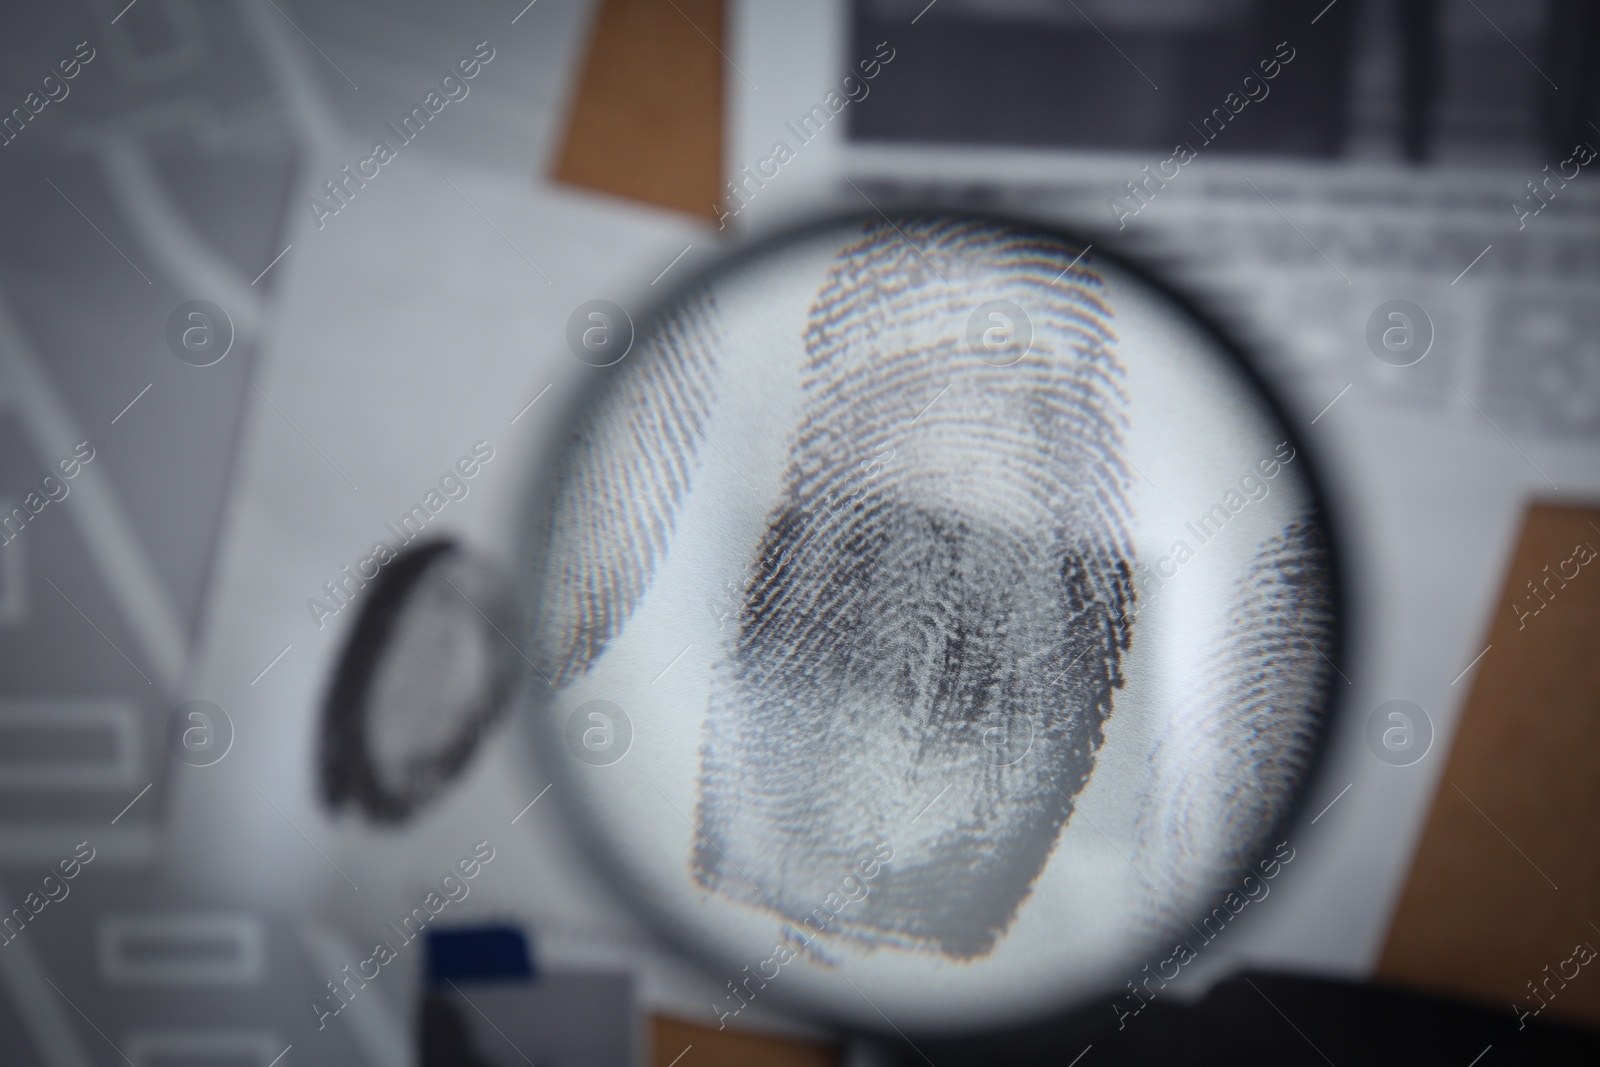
x=625, y=472
x=1233, y=756
x=927, y=648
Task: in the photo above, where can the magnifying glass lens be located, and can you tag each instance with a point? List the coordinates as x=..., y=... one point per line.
x=939, y=619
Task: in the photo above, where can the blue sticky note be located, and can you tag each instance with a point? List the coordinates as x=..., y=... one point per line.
x=478, y=954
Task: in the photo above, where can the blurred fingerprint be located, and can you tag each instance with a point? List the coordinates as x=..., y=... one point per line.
x=424, y=675
x=625, y=472
x=973, y=588
x=1232, y=757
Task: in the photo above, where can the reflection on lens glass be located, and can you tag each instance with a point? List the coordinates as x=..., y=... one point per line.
x=970, y=608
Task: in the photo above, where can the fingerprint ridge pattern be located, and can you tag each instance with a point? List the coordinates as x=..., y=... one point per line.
x=893, y=624
x=627, y=468
x=1230, y=762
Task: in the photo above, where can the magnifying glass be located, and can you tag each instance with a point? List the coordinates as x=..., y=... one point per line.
x=935, y=619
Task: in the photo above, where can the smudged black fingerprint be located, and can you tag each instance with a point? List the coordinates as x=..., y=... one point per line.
x=977, y=583
x=423, y=676
x=1233, y=757
x=625, y=472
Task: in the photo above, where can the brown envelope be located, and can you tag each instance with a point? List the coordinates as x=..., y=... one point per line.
x=646, y=123
x=1506, y=881
x=731, y=1048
